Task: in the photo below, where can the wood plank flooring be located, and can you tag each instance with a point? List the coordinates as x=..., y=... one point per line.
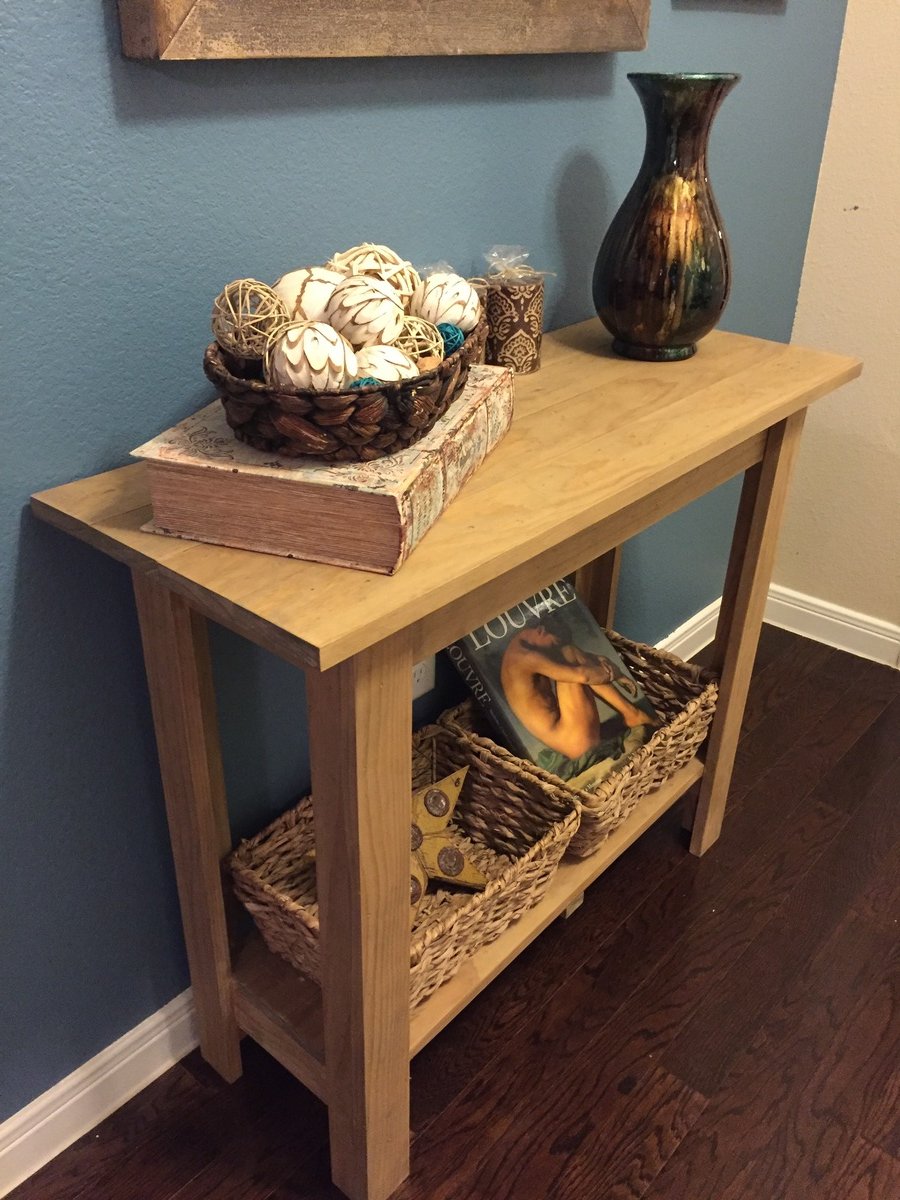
x=724, y=1028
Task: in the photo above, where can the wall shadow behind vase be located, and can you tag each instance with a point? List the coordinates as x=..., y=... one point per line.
x=662, y=276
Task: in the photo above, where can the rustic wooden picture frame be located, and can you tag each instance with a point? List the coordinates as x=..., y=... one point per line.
x=237, y=29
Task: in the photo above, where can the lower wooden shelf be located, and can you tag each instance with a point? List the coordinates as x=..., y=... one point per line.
x=570, y=880
x=282, y=1009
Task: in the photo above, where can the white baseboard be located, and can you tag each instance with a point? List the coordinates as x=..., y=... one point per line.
x=694, y=634
x=77, y=1103
x=842, y=628
x=819, y=620
x=71, y=1108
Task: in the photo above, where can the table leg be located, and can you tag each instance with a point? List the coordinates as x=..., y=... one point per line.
x=597, y=583
x=176, y=653
x=740, y=618
x=360, y=729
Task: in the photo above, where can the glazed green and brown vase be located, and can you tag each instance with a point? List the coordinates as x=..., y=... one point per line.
x=662, y=276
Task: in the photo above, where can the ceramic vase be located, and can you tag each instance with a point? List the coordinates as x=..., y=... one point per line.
x=662, y=276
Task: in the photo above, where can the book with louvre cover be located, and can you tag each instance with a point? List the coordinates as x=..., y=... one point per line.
x=554, y=687
x=207, y=486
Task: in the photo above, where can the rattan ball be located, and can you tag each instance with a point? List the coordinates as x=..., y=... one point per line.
x=451, y=335
x=382, y=263
x=420, y=339
x=245, y=314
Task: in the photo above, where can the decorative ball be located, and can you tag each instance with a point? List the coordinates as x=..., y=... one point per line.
x=381, y=262
x=244, y=315
x=309, y=355
x=428, y=363
x=386, y=363
x=453, y=337
x=445, y=296
x=366, y=381
x=306, y=292
x=420, y=339
x=367, y=311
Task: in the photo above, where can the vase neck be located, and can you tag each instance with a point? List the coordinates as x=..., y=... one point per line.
x=679, y=112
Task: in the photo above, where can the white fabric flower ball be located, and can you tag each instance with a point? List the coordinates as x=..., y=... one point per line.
x=387, y=364
x=310, y=355
x=445, y=296
x=306, y=292
x=365, y=310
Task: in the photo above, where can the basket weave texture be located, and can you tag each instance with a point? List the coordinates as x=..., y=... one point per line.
x=684, y=696
x=358, y=425
x=515, y=830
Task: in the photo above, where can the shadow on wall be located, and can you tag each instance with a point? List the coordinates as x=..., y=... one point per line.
x=84, y=838
x=583, y=211
x=746, y=7
x=263, y=730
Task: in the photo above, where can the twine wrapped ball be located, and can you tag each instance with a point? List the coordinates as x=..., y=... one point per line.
x=387, y=364
x=381, y=262
x=244, y=315
x=445, y=296
x=452, y=336
x=367, y=311
x=420, y=339
x=366, y=381
x=306, y=292
x=309, y=356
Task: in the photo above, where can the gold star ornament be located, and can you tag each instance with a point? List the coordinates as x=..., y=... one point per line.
x=435, y=854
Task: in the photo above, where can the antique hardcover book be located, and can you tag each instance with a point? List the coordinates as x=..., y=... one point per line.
x=554, y=688
x=206, y=485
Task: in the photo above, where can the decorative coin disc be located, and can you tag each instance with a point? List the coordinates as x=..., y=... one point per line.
x=450, y=860
x=437, y=802
x=435, y=857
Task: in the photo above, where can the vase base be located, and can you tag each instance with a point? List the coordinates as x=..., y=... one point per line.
x=654, y=353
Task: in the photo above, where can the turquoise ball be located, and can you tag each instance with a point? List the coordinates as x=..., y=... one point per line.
x=367, y=381
x=453, y=337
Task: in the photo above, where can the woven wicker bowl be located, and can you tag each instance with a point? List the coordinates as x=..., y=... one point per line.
x=358, y=425
x=685, y=697
x=515, y=829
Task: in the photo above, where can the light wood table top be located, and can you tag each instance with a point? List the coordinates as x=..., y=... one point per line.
x=593, y=434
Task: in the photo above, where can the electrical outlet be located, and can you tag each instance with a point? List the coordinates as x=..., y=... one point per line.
x=423, y=677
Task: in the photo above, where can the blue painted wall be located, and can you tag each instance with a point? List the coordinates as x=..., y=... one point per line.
x=132, y=192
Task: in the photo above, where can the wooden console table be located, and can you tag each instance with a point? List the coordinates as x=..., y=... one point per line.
x=600, y=449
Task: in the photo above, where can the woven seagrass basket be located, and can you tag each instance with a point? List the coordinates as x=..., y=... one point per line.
x=684, y=695
x=515, y=829
x=358, y=425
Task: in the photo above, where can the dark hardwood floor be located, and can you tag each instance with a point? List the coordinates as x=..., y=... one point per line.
x=724, y=1028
